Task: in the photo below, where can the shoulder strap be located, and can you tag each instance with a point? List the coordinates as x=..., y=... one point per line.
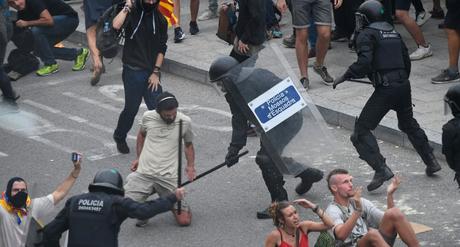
x=281, y=234
x=297, y=237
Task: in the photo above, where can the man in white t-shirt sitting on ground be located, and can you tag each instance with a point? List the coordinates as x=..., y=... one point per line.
x=156, y=168
x=17, y=209
x=358, y=222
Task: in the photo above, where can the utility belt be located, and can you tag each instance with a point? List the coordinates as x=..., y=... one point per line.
x=387, y=78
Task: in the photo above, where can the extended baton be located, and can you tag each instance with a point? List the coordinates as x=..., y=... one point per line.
x=359, y=81
x=213, y=169
x=179, y=171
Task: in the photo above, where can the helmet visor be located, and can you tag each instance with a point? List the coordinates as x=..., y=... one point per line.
x=450, y=105
x=360, y=21
x=447, y=110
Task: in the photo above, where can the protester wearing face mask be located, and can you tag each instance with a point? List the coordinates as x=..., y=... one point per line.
x=17, y=208
x=156, y=168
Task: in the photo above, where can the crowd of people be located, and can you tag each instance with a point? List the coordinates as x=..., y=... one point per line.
x=351, y=219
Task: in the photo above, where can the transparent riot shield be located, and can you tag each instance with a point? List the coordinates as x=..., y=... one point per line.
x=293, y=132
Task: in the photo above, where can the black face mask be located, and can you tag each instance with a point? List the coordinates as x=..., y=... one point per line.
x=148, y=7
x=19, y=200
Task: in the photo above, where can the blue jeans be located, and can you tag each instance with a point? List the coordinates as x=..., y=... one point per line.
x=136, y=84
x=45, y=37
x=312, y=34
x=270, y=18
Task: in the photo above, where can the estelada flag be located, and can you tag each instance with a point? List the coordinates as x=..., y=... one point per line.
x=166, y=8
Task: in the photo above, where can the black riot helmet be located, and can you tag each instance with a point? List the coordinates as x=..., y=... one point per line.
x=220, y=67
x=452, y=98
x=107, y=180
x=368, y=12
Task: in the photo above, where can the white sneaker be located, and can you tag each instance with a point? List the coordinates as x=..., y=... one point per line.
x=422, y=18
x=421, y=53
x=207, y=15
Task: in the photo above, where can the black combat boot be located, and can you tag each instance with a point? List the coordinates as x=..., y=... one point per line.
x=309, y=176
x=264, y=214
x=432, y=165
x=382, y=174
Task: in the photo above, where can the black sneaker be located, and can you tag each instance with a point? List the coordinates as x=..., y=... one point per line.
x=179, y=35
x=194, y=28
x=322, y=71
x=305, y=82
x=264, y=214
x=122, y=146
x=379, y=178
x=289, y=42
x=308, y=177
x=446, y=77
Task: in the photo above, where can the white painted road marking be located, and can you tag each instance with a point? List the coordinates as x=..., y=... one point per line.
x=72, y=117
x=111, y=91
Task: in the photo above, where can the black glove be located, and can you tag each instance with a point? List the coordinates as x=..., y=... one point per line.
x=338, y=80
x=232, y=155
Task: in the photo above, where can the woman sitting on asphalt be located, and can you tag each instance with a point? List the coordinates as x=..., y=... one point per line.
x=290, y=231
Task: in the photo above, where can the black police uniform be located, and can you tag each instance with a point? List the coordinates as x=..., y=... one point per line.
x=258, y=81
x=389, y=74
x=451, y=145
x=240, y=115
x=93, y=219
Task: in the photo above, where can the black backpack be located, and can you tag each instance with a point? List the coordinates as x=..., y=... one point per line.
x=227, y=22
x=22, y=62
x=107, y=38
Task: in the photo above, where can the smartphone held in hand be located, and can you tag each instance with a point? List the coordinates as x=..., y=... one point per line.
x=75, y=157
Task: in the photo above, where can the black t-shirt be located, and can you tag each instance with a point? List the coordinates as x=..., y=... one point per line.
x=34, y=8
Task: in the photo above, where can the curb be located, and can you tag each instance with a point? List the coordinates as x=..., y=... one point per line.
x=331, y=116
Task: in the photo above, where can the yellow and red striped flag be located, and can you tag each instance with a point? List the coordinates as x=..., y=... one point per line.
x=166, y=8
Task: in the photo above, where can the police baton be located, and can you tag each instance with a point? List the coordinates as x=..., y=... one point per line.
x=179, y=170
x=213, y=169
x=360, y=81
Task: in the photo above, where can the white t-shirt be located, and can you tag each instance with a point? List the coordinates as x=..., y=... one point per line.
x=159, y=156
x=14, y=235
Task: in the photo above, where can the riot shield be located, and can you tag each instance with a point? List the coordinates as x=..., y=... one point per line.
x=293, y=132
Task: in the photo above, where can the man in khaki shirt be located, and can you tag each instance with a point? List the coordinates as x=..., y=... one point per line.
x=155, y=169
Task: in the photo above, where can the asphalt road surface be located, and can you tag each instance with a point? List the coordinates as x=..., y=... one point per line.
x=62, y=113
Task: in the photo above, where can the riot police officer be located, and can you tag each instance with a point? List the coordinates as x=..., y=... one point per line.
x=451, y=132
x=251, y=83
x=94, y=218
x=390, y=77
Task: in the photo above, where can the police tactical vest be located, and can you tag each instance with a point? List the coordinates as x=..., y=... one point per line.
x=93, y=221
x=388, y=53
